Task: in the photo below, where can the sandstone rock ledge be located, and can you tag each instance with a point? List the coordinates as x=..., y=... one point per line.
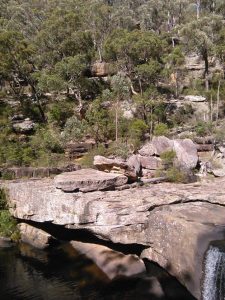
x=175, y=223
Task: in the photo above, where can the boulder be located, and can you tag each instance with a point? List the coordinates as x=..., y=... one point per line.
x=101, y=69
x=133, y=163
x=5, y=242
x=192, y=98
x=218, y=172
x=34, y=236
x=118, y=166
x=150, y=162
x=88, y=180
x=186, y=153
x=146, y=173
x=113, y=263
x=24, y=127
x=205, y=147
x=157, y=146
x=78, y=149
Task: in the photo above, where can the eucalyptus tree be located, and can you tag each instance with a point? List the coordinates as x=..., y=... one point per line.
x=200, y=36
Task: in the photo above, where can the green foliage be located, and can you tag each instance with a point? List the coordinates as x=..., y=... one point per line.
x=7, y=222
x=120, y=148
x=161, y=129
x=137, y=129
x=176, y=175
x=74, y=129
x=47, y=51
x=3, y=199
x=87, y=160
x=203, y=128
x=59, y=112
x=99, y=121
x=168, y=158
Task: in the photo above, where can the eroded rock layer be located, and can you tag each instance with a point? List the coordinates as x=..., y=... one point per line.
x=174, y=223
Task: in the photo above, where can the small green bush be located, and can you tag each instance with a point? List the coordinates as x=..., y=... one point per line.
x=87, y=160
x=60, y=112
x=161, y=129
x=7, y=224
x=74, y=129
x=176, y=175
x=203, y=129
x=168, y=158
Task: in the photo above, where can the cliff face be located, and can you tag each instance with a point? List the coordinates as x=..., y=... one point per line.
x=173, y=223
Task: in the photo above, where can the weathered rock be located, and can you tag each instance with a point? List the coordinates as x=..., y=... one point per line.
x=115, y=166
x=204, y=140
x=175, y=223
x=34, y=236
x=186, y=153
x=204, y=147
x=157, y=146
x=101, y=69
x=146, y=173
x=30, y=172
x=113, y=263
x=186, y=150
x=88, y=180
x=193, y=98
x=133, y=163
x=26, y=126
x=150, y=162
x=76, y=150
x=218, y=172
x=5, y=242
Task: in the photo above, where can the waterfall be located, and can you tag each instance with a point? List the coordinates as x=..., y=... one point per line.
x=214, y=280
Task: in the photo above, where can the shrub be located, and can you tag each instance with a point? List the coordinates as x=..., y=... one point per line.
x=168, y=158
x=7, y=224
x=203, y=128
x=74, y=129
x=137, y=129
x=60, y=112
x=87, y=160
x=3, y=199
x=161, y=129
x=120, y=149
x=175, y=174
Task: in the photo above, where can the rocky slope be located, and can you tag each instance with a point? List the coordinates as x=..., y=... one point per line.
x=173, y=223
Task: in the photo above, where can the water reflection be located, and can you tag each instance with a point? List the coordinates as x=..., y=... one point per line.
x=63, y=274
x=28, y=273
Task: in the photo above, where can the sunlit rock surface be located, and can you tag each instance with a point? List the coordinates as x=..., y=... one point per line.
x=174, y=223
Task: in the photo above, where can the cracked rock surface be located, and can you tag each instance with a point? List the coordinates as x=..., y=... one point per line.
x=174, y=222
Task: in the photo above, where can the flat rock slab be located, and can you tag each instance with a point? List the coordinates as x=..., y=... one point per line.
x=88, y=180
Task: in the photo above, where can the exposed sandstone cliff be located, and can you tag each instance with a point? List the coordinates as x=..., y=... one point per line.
x=173, y=223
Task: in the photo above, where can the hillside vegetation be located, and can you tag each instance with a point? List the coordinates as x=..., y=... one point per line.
x=109, y=71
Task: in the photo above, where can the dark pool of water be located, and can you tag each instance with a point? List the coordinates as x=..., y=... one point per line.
x=63, y=274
